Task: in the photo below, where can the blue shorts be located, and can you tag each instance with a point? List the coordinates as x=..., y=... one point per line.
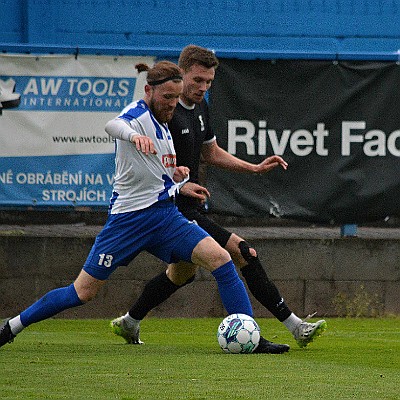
x=160, y=229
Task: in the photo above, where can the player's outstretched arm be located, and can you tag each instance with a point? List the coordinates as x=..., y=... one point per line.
x=271, y=163
x=217, y=156
x=121, y=129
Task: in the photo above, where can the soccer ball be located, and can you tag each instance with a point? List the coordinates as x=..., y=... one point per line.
x=238, y=333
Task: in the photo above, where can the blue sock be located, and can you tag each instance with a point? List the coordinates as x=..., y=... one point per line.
x=51, y=304
x=232, y=290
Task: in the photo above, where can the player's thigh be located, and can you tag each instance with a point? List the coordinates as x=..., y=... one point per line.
x=175, y=241
x=179, y=273
x=220, y=234
x=226, y=239
x=209, y=254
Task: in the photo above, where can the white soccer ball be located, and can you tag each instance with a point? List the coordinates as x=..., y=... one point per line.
x=238, y=333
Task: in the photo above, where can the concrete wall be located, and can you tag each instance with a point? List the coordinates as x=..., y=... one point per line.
x=315, y=272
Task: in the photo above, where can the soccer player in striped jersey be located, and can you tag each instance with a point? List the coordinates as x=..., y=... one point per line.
x=142, y=215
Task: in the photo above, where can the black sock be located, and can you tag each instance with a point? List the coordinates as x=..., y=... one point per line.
x=265, y=290
x=154, y=293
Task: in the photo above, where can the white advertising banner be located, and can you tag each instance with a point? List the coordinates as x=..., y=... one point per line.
x=53, y=109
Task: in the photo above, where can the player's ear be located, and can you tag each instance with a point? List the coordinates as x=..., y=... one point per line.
x=148, y=89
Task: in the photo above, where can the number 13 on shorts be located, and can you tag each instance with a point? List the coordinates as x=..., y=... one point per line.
x=105, y=259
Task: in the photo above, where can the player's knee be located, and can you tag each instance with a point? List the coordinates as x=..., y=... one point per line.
x=209, y=254
x=86, y=294
x=246, y=251
x=85, y=297
x=182, y=280
x=181, y=276
x=189, y=280
x=221, y=257
x=216, y=259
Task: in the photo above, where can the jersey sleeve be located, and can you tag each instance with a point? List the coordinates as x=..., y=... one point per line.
x=119, y=128
x=209, y=136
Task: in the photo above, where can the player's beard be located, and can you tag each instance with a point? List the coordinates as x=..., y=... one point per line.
x=162, y=115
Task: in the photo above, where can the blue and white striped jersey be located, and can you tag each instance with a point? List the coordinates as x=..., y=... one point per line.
x=141, y=180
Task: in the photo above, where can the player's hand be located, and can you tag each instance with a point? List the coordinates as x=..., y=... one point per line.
x=270, y=163
x=143, y=144
x=180, y=174
x=191, y=189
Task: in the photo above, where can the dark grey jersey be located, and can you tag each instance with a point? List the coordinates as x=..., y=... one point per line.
x=190, y=128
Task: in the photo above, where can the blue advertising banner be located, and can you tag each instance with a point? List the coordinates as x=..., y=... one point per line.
x=53, y=109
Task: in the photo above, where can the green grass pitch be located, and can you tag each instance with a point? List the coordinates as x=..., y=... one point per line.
x=82, y=359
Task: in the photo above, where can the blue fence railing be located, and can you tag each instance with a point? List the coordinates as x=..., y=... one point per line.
x=174, y=52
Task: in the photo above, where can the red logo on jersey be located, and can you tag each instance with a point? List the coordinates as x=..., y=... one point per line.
x=169, y=160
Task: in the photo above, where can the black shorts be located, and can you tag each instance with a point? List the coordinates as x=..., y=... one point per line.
x=220, y=234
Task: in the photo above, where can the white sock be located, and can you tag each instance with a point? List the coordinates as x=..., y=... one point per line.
x=16, y=325
x=131, y=322
x=292, y=321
